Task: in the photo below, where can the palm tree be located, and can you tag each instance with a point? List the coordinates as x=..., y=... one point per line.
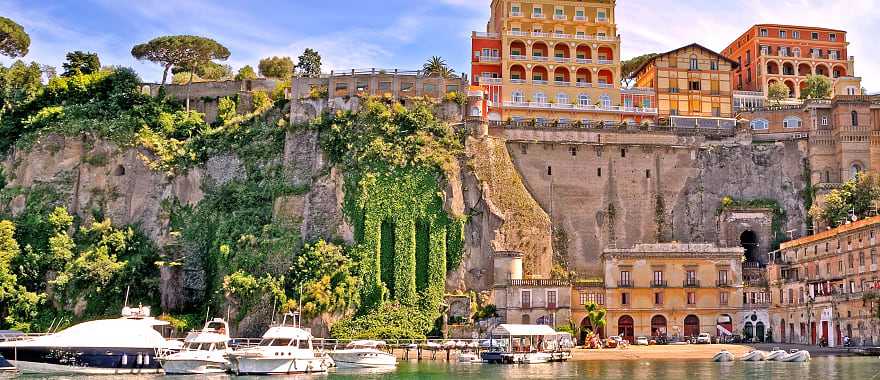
x=436, y=66
x=596, y=314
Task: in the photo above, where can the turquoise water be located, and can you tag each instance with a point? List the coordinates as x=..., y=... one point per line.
x=820, y=368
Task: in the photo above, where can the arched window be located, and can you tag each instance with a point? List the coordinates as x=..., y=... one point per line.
x=540, y=98
x=854, y=169
x=562, y=98
x=584, y=100
x=791, y=122
x=759, y=124
x=824, y=120
x=695, y=64
x=855, y=119
x=518, y=97
x=606, y=100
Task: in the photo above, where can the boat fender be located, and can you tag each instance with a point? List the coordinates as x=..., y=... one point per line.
x=140, y=360
x=124, y=359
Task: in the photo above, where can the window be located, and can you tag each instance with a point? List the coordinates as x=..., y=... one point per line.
x=624, y=298
x=691, y=277
x=760, y=124
x=814, y=35
x=606, y=101
x=598, y=172
x=582, y=298
x=762, y=33
x=832, y=36
x=723, y=298
x=694, y=85
x=782, y=34
x=796, y=52
x=855, y=118
x=540, y=98
x=722, y=277
x=791, y=122
x=562, y=98
x=624, y=275
x=691, y=298
x=648, y=173
x=537, y=11
x=695, y=64
x=573, y=150
x=579, y=15
x=824, y=120
x=515, y=10
x=795, y=34
x=551, y=299
x=517, y=97
x=658, y=298
x=658, y=276
x=623, y=152
x=713, y=64
x=600, y=16
x=861, y=259
x=526, y=296
x=584, y=100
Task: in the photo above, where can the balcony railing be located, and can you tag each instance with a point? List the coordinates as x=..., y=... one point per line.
x=517, y=81
x=580, y=18
x=561, y=60
x=539, y=82
x=601, y=19
x=540, y=58
x=539, y=282
x=516, y=14
x=691, y=283
x=489, y=59
x=560, y=17
x=540, y=34
x=517, y=33
x=579, y=107
x=561, y=83
x=486, y=35
x=488, y=80
x=605, y=61
x=624, y=284
x=563, y=36
x=722, y=283
x=586, y=37
x=583, y=61
x=658, y=283
x=518, y=57
x=605, y=38
x=605, y=85
x=539, y=16
x=583, y=84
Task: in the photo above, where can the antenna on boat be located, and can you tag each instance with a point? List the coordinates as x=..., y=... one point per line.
x=127, y=289
x=208, y=311
x=273, y=309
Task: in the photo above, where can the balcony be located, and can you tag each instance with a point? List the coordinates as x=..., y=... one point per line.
x=585, y=37
x=605, y=61
x=560, y=17
x=540, y=58
x=488, y=80
x=658, y=283
x=580, y=107
x=691, y=283
x=722, y=283
x=540, y=282
x=517, y=57
x=605, y=38
x=601, y=19
x=486, y=35
x=517, y=33
x=580, y=18
x=563, y=36
x=605, y=85
x=583, y=61
x=540, y=82
x=541, y=34
x=561, y=83
x=517, y=81
x=516, y=14
x=625, y=284
x=489, y=59
x=584, y=84
x=561, y=60
x=538, y=16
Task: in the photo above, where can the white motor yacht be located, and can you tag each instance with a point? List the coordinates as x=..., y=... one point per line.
x=109, y=346
x=363, y=353
x=284, y=349
x=204, y=351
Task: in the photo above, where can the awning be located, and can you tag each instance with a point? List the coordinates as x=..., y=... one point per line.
x=523, y=330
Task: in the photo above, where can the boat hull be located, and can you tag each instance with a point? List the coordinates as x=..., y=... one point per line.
x=363, y=359
x=6, y=365
x=775, y=355
x=278, y=366
x=754, y=356
x=797, y=357
x=82, y=360
x=193, y=367
x=723, y=356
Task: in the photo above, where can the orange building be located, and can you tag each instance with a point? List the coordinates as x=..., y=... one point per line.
x=770, y=53
x=554, y=60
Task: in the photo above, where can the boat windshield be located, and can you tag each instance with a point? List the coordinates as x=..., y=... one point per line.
x=200, y=346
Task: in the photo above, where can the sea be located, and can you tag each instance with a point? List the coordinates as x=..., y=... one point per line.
x=820, y=368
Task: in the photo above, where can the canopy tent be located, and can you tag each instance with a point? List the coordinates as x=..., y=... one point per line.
x=523, y=330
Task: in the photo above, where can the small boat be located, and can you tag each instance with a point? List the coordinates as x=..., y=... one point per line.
x=284, y=349
x=469, y=358
x=723, y=356
x=754, y=356
x=127, y=345
x=536, y=358
x=363, y=354
x=204, y=351
x=5, y=366
x=797, y=356
x=775, y=355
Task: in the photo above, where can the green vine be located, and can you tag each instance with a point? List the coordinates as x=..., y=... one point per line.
x=660, y=216
x=779, y=215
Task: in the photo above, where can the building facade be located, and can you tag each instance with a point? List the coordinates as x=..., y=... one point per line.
x=555, y=60
x=771, y=53
x=672, y=289
x=693, y=86
x=823, y=285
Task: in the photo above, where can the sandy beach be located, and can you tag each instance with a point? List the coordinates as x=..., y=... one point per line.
x=672, y=351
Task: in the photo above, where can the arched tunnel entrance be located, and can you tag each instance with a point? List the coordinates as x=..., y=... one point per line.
x=749, y=241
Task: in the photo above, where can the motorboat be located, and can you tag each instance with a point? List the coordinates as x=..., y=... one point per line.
x=776, y=355
x=363, y=354
x=284, y=349
x=754, y=356
x=5, y=366
x=522, y=344
x=126, y=345
x=797, y=356
x=469, y=358
x=723, y=356
x=204, y=351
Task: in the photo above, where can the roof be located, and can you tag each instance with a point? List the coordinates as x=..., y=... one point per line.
x=831, y=233
x=798, y=27
x=523, y=330
x=733, y=63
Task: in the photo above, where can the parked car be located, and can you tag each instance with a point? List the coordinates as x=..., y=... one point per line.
x=704, y=338
x=641, y=341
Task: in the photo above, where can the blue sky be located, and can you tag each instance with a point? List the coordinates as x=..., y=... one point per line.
x=399, y=33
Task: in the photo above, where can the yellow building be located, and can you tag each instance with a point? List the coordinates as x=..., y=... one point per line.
x=693, y=86
x=672, y=289
x=555, y=60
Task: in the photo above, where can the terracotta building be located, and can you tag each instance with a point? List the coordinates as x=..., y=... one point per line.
x=821, y=283
x=693, y=86
x=770, y=53
x=554, y=60
x=672, y=289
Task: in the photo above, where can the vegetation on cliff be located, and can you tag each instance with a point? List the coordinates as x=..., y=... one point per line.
x=855, y=198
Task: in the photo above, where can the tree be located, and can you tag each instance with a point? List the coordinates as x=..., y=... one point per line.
x=777, y=91
x=276, y=67
x=309, y=64
x=180, y=51
x=17, y=305
x=856, y=198
x=208, y=72
x=19, y=84
x=246, y=72
x=79, y=62
x=14, y=41
x=818, y=87
x=628, y=68
x=436, y=66
x=596, y=315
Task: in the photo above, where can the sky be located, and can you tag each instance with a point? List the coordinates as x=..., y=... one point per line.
x=400, y=33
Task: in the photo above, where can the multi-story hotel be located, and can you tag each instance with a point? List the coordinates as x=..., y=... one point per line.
x=770, y=53
x=823, y=284
x=552, y=60
x=692, y=84
x=672, y=289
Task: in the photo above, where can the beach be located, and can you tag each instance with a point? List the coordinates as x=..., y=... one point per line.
x=655, y=352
